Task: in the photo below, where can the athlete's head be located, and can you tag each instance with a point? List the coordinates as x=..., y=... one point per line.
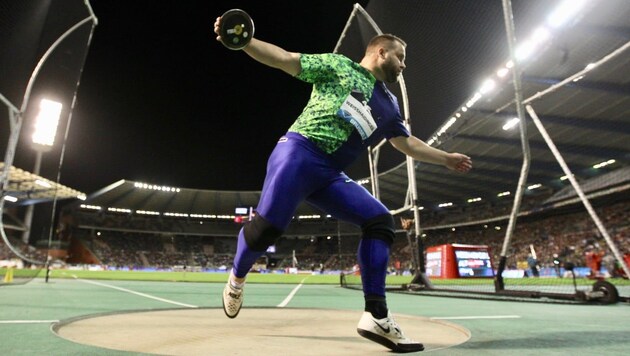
x=388, y=52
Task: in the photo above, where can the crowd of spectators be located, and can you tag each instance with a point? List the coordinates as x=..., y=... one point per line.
x=24, y=249
x=567, y=237
x=564, y=238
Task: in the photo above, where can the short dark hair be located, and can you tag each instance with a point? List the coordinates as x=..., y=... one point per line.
x=388, y=38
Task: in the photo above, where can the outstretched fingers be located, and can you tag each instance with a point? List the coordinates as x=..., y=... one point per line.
x=464, y=165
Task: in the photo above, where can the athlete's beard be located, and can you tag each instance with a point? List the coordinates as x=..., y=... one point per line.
x=392, y=73
x=392, y=76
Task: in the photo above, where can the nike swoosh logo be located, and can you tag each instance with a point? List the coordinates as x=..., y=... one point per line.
x=382, y=328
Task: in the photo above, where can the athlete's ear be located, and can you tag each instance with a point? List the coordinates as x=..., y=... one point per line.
x=381, y=52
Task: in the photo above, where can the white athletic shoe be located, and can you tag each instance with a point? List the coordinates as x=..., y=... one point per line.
x=387, y=333
x=232, y=300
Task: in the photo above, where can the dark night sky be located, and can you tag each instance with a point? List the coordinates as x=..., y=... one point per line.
x=162, y=101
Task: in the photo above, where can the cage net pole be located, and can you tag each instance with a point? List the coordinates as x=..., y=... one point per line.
x=578, y=189
x=373, y=153
x=522, y=181
x=418, y=245
x=52, y=230
x=345, y=29
x=15, y=124
x=16, y=119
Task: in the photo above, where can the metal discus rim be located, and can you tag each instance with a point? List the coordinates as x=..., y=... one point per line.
x=237, y=29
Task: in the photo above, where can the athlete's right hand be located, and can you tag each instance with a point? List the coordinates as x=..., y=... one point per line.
x=217, y=23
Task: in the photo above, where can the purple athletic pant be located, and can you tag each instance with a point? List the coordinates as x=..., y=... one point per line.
x=298, y=170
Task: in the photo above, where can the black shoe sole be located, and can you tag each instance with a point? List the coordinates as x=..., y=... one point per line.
x=390, y=344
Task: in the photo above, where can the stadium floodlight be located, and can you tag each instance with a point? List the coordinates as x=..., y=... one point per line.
x=10, y=198
x=566, y=10
x=147, y=212
x=487, y=86
x=81, y=197
x=90, y=207
x=43, y=183
x=502, y=72
x=534, y=186
x=444, y=205
x=46, y=123
x=446, y=126
x=473, y=200
x=156, y=187
x=184, y=215
x=511, y=123
x=565, y=177
x=119, y=210
x=541, y=35
x=604, y=164
x=502, y=194
x=473, y=100
x=525, y=50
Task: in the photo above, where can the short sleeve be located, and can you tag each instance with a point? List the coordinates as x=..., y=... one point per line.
x=397, y=129
x=317, y=68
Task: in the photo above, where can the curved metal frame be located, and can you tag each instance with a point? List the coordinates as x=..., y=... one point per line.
x=411, y=203
x=16, y=118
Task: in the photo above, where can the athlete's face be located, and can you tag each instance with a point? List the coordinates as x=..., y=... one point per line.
x=394, y=62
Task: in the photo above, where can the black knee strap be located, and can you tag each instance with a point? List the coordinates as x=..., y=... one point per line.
x=380, y=227
x=260, y=234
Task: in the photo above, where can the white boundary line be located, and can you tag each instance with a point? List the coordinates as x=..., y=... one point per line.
x=290, y=296
x=27, y=321
x=477, y=317
x=134, y=292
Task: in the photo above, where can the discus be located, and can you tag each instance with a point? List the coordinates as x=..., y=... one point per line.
x=236, y=30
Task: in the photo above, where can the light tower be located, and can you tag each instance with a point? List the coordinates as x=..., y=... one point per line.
x=43, y=138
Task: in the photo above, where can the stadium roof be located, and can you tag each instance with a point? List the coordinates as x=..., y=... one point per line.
x=588, y=119
x=28, y=188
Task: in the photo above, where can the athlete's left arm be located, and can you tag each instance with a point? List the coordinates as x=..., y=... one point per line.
x=418, y=150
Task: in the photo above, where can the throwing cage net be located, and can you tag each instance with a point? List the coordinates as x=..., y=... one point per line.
x=544, y=213
x=45, y=44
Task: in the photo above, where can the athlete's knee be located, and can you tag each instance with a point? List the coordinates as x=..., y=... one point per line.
x=380, y=227
x=260, y=234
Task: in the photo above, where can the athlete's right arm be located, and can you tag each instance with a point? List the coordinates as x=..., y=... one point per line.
x=269, y=54
x=274, y=56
